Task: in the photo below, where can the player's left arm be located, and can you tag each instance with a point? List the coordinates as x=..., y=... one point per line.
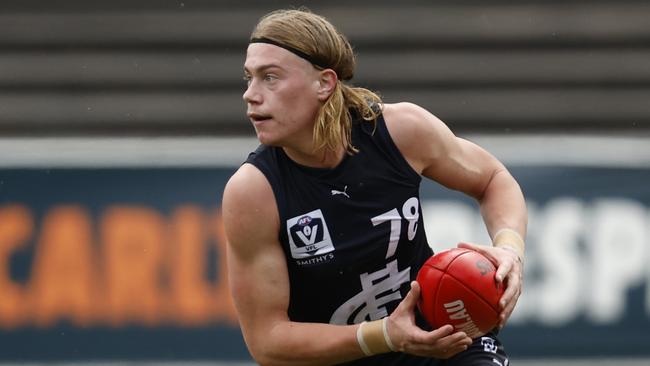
x=436, y=153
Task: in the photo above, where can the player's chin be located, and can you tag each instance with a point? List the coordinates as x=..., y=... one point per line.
x=266, y=138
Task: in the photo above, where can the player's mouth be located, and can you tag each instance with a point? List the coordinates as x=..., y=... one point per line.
x=258, y=118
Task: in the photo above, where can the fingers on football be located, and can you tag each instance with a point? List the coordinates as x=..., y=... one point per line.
x=509, y=298
x=411, y=299
x=441, y=343
x=415, y=289
x=503, y=270
x=513, y=289
x=469, y=246
x=481, y=249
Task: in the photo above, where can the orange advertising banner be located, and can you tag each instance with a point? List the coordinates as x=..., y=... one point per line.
x=134, y=256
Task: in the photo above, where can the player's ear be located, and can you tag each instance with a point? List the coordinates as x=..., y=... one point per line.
x=327, y=83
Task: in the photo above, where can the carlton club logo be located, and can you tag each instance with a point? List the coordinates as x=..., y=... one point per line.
x=309, y=236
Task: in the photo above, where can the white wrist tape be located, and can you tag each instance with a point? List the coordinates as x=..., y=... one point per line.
x=510, y=239
x=389, y=343
x=373, y=337
x=362, y=342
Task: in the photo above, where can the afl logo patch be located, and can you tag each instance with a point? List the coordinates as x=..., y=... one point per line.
x=308, y=235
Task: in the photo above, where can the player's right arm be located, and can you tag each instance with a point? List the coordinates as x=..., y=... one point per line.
x=259, y=283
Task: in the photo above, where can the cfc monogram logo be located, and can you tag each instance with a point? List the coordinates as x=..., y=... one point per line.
x=309, y=238
x=379, y=288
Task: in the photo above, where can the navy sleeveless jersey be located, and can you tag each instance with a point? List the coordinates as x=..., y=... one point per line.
x=353, y=235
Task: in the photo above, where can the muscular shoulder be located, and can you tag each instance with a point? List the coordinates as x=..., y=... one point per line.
x=419, y=135
x=249, y=210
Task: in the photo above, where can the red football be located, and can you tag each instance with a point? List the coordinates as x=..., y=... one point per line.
x=458, y=288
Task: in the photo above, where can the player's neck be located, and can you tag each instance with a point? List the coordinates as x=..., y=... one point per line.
x=316, y=159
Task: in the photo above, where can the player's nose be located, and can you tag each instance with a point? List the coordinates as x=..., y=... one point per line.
x=251, y=95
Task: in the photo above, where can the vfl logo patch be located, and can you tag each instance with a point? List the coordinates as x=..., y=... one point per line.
x=308, y=235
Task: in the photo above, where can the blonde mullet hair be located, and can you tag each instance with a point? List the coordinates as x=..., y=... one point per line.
x=315, y=36
x=333, y=127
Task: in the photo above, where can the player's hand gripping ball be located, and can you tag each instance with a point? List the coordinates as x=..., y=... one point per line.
x=458, y=288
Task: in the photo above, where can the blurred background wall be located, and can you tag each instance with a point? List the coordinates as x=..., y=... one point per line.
x=120, y=122
x=174, y=67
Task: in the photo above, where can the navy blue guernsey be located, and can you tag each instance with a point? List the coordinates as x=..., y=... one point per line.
x=353, y=235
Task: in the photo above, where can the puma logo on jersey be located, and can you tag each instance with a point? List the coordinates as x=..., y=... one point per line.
x=343, y=192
